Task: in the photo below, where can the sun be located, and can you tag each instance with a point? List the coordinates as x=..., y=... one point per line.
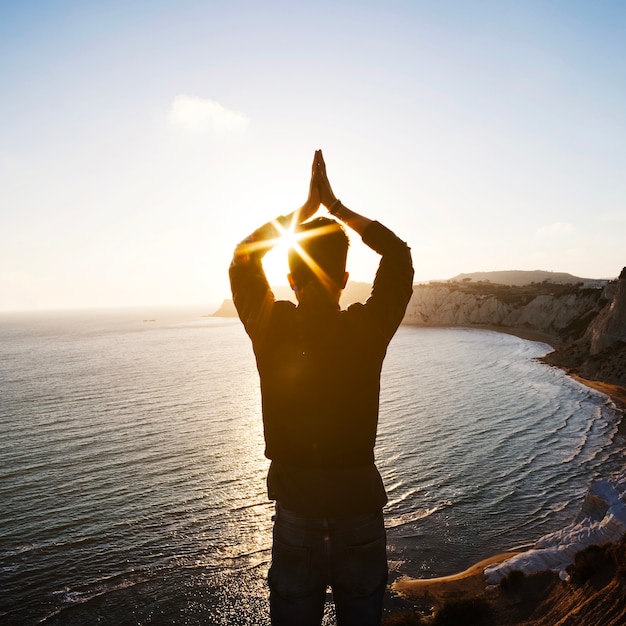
x=275, y=261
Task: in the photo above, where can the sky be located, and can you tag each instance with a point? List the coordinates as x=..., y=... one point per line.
x=140, y=141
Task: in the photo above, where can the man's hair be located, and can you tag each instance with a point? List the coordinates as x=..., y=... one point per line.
x=319, y=257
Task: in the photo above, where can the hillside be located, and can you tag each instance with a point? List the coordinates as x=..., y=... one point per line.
x=595, y=595
x=521, y=277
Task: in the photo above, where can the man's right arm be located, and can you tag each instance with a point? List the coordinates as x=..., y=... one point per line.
x=252, y=294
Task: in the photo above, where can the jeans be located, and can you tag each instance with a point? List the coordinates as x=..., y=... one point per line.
x=310, y=554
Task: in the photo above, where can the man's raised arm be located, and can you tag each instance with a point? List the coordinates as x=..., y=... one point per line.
x=393, y=284
x=251, y=292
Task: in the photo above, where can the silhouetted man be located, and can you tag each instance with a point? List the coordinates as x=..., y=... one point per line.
x=319, y=368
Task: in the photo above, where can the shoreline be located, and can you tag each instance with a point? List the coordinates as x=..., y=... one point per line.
x=471, y=582
x=523, y=333
x=616, y=393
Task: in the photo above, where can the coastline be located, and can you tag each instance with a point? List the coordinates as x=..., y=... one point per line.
x=471, y=583
x=522, y=333
x=468, y=582
x=616, y=393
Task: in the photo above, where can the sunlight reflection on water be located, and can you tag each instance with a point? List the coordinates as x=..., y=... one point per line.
x=133, y=480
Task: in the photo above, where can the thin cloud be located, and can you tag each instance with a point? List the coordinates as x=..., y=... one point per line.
x=555, y=230
x=205, y=115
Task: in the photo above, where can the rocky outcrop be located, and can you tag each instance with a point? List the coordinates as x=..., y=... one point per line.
x=609, y=327
x=600, y=354
x=587, y=325
x=596, y=595
x=560, y=312
x=227, y=309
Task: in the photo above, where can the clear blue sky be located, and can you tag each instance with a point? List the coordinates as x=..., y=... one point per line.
x=139, y=141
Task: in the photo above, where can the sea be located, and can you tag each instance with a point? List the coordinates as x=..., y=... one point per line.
x=132, y=474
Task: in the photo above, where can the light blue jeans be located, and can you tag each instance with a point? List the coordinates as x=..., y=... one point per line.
x=308, y=554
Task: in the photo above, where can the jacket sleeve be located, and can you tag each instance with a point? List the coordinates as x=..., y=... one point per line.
x=393, y=284
x=252, y=295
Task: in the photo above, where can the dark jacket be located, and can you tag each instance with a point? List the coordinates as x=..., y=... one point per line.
x=320, y=368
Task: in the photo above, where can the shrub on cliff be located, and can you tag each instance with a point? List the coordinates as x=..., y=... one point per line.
x=471, y=612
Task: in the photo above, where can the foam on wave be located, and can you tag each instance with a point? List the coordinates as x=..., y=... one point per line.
x=602, y=520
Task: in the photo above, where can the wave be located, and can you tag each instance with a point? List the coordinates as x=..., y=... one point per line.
x=602, y=519
x=69, y=598
x=413, y=516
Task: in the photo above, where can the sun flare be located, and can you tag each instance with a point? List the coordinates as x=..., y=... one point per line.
x=275, y=262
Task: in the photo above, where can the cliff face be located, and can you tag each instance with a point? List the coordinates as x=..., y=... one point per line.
x=601, y=353
x=596, y=595
x=609, y=327
x=561, y=315
x=588, y=325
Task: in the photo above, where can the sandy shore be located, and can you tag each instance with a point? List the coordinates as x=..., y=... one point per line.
x=617, y=393
x=468, y=583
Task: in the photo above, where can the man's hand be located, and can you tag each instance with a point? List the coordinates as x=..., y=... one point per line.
x=339, y=211
x=326, y=195
x=312, y=204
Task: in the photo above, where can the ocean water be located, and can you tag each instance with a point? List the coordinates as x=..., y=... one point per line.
x=132, y=475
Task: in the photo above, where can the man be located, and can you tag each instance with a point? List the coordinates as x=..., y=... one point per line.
x=319, y=369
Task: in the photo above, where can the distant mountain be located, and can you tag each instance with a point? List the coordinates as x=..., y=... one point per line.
x=521, y=277
x=354, y=292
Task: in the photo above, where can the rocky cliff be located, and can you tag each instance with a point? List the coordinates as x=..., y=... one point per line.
x=600, y=354
x=562, y=312
x=609, y=327
x=586, y=325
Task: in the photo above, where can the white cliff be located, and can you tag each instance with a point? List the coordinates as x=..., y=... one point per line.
x=454, y=304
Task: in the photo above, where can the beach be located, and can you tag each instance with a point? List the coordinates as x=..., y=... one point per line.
x=469, y=583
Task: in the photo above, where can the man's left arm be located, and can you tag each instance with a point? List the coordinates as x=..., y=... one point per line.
x=393, y=284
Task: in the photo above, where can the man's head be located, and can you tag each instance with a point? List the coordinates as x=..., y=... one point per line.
x=318, y=261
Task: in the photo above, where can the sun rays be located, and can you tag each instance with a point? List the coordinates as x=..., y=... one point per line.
x=291, y=238
x=275, y=251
